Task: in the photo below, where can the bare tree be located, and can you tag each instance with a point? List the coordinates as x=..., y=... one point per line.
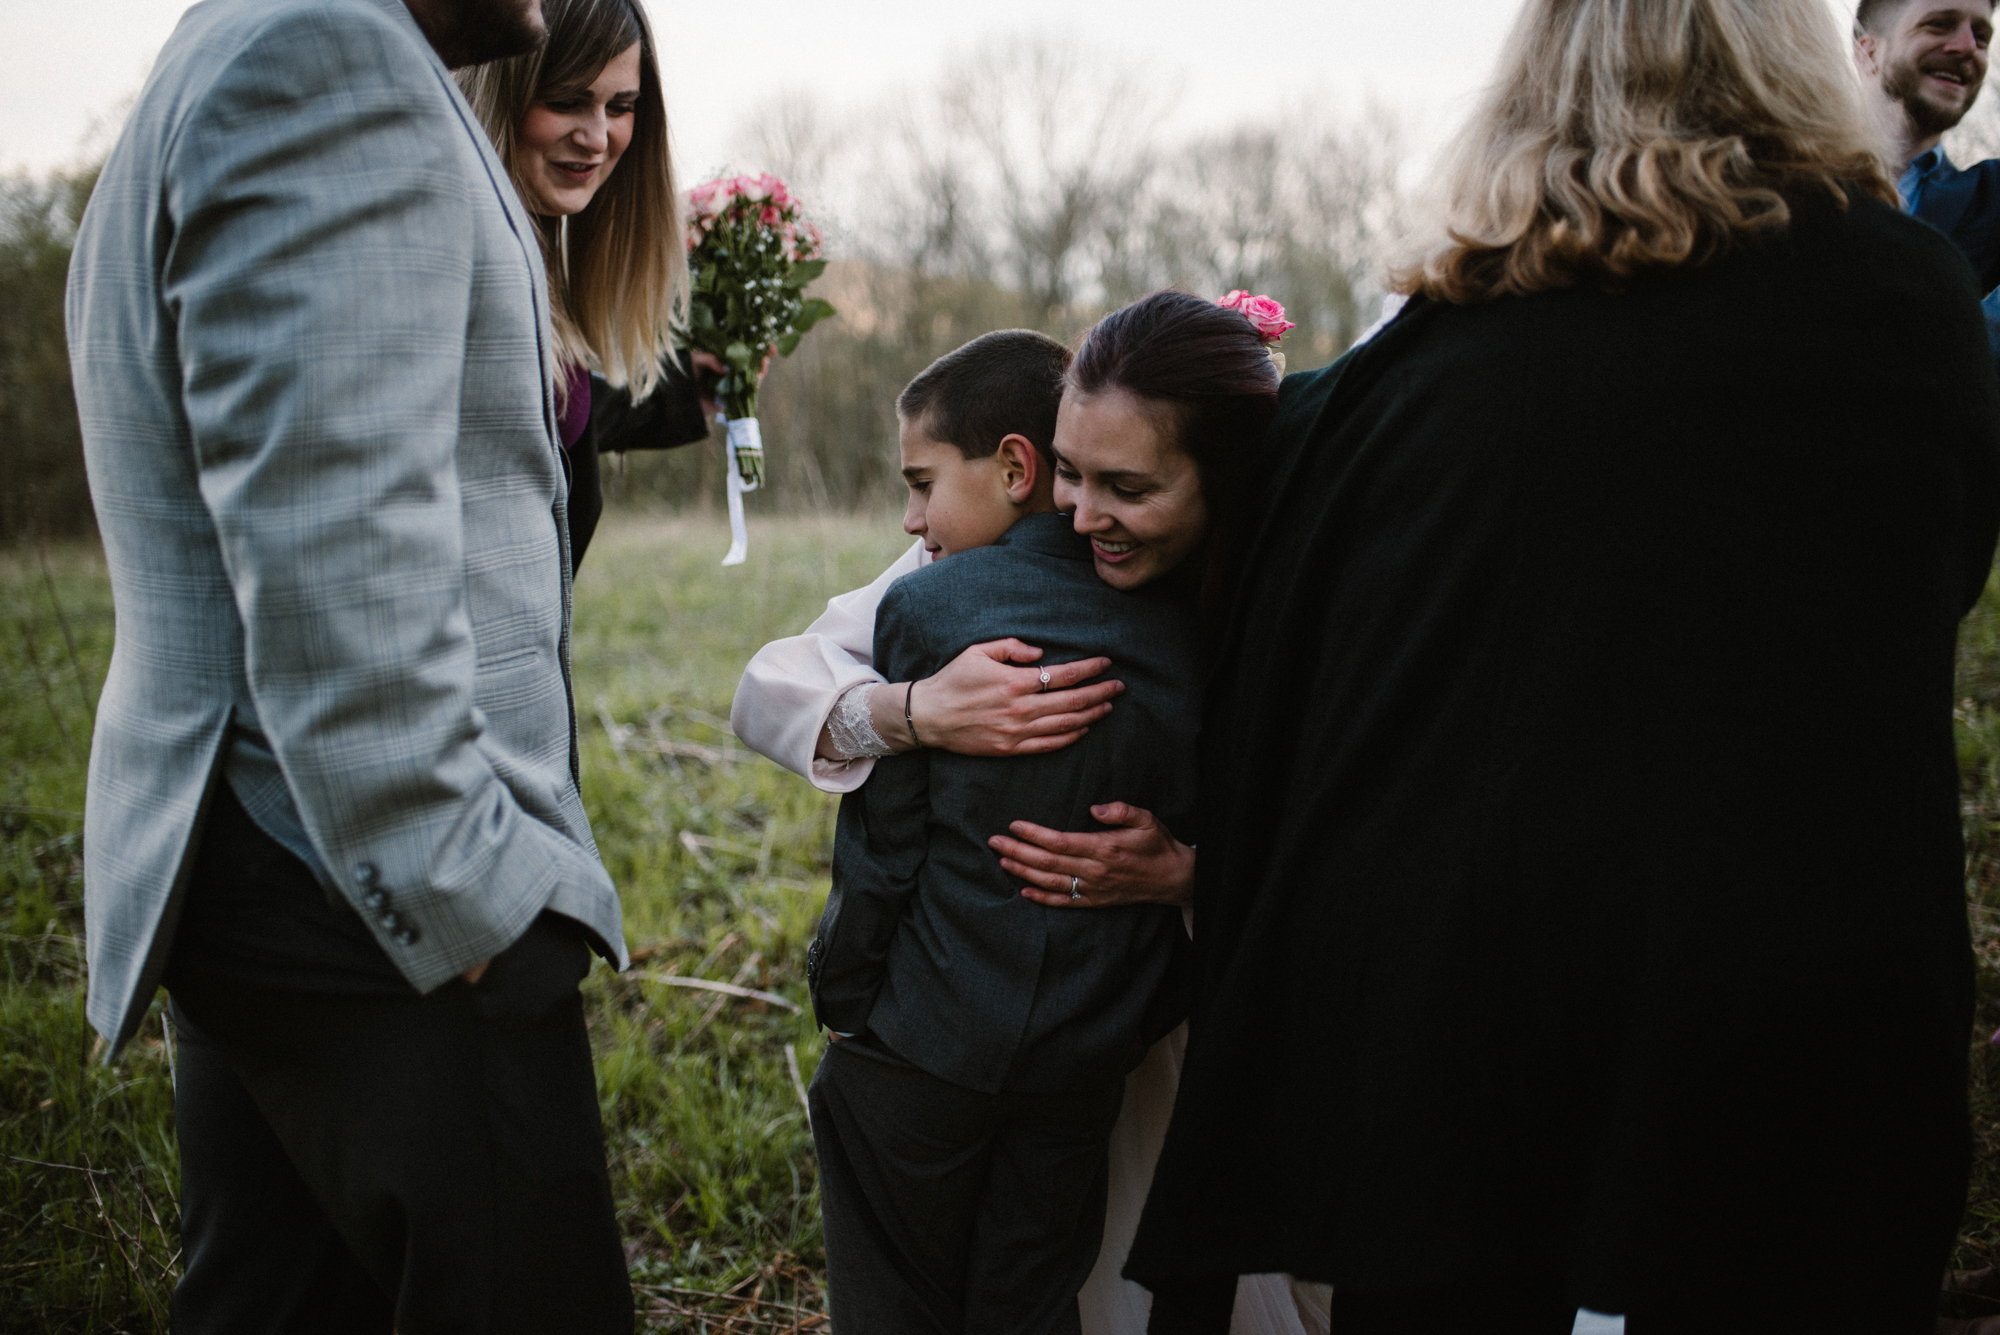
x=800, y=137
x=1033, y=185
x=1062, y=138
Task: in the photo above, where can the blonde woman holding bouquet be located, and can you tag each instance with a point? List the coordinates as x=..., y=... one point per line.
x=581, y=124
x=1155, y=445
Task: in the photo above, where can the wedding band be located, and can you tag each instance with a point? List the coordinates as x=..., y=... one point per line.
x=1075, y=891
x=1045, y=679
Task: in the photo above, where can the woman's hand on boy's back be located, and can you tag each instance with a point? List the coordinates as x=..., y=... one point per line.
x=983, y=704
x=1137, y=861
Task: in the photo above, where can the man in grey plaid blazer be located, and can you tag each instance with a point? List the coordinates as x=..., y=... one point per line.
x=333, y=795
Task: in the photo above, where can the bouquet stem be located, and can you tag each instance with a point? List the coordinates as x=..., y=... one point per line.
x=745, y=456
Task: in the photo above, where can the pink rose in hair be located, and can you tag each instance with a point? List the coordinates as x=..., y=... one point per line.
x=1264, y=313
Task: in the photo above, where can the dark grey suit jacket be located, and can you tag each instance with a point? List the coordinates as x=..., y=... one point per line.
x=926, y=942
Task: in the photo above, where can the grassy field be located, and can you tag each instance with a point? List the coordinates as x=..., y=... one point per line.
x=722, y=859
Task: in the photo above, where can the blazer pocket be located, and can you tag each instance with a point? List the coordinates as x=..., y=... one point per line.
x=513, y=658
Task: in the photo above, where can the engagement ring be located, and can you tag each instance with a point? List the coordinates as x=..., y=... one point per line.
x=1045, y=679
x=1075, y=891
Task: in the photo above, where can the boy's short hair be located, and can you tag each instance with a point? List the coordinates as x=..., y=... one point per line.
x=1002, y=384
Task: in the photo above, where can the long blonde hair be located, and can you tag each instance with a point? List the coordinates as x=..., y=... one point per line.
x=617, y=270
x=1629, y=135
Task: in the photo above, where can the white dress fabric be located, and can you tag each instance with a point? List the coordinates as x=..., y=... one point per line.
x=787, y=693
x=791, y=685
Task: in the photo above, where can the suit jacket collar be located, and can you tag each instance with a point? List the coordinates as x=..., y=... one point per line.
x=1935, y=191
x=510, y=201
x=1049, y=534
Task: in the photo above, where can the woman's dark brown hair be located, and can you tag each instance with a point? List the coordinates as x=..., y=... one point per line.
x=1209, y=376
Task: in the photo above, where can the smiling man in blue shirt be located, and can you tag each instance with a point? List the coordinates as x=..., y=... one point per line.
x=1925, y=61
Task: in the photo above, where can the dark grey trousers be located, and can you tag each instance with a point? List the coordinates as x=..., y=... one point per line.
x=357, y=1158
x=952, y=1212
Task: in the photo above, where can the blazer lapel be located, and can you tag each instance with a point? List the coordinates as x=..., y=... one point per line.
x=517, y=220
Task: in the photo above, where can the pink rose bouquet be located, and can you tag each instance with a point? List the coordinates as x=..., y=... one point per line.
x=751, y=253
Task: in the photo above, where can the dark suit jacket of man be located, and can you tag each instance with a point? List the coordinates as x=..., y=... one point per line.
x=926, y=942
x=1964, y=204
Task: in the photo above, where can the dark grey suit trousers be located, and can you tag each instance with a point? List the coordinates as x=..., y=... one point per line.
x=954, y=1212
x=356, y=1157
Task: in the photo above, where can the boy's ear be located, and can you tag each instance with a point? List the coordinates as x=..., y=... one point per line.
x=1021, y=468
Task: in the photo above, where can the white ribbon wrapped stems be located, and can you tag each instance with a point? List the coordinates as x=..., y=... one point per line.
x=746, y=453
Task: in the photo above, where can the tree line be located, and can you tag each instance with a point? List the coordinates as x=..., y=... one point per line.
x=1029, y=185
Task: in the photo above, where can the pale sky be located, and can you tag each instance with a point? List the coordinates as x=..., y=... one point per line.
x=70, y=63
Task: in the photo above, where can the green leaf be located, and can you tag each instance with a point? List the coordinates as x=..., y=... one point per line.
x=738, y=356
x=788, y=343
x=811, y=312
x=804, y=272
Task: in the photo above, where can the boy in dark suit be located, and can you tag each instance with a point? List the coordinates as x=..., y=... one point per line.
x=963, y=1112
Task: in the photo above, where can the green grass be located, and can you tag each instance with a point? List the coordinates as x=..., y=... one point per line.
x=722, y=860
x=1978, y=728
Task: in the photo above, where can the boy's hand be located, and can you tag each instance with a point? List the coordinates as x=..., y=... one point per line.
x=1138, y=861
x=980, y=704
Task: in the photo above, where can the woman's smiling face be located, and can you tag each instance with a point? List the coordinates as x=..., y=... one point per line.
x=568, y=146
x=1127, y=486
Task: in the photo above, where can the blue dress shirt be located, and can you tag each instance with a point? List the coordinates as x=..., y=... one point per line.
x=1965, y=206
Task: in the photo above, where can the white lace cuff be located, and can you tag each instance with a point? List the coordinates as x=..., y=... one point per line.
x=852, y=726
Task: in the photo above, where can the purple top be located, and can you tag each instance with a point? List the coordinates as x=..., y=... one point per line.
x=575, y=412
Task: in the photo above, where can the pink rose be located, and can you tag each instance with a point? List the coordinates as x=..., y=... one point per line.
x=805, y=239
x=1263, y=313
x=709, y=199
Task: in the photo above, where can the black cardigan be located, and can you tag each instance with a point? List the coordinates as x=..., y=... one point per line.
x=670, y=417
x=1580, y=890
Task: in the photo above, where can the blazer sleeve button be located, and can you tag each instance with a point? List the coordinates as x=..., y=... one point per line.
x=407, y=937
x=390, y=922
x=366, y=874
x=375, y=901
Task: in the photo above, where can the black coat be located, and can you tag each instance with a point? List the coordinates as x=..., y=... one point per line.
x=1581, y=876
x=670, y=417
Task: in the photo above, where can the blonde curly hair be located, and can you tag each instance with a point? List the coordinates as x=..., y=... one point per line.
x=1623, y=136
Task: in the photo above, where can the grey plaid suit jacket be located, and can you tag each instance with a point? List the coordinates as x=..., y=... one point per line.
x=308, y=329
